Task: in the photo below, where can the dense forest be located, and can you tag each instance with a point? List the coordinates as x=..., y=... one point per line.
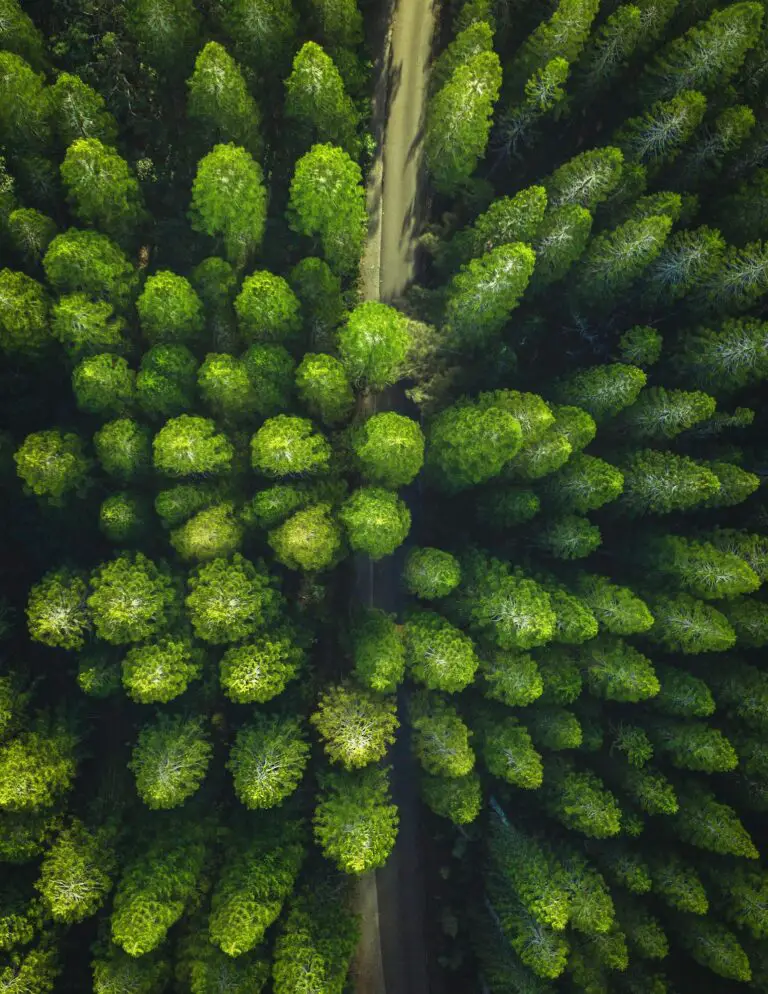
x=554, y=441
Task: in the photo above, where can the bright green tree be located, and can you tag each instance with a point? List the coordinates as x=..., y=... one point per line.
x=460, y=799
x=438, y=655
x=57, y=614
x=374, y=345
x=287, y=446
x=508, y=752
x=468, y=444
x=267, y=309
x=87, y=327
x=38, y=765
x=24, y=307
x=267, y=760
x=512, y=678
x=190, y=445
x=315, y=99
x=683, y=623
x=661, y=482
x=158, y=671
x=80, y=112
x=378, y=651
x=76, y=873
x=53, y=465
x=226, y=387
x=356, y=726
x=355, y=822
x=170, y=760
x=261, y=668
x=323, y=386
x=131, y=599
x=376, y=521
x=101, y=189
x=431, y=573
x=660, y=414
x=616, y=671
x=104, y=384
x=441, y=738
x=229, y=600
x=389, y=448
x=31, y=233
x=579, y=801
x=123, y=449
x=219, y=103
x=271, y=370
x=170, y=312
x=309, y=540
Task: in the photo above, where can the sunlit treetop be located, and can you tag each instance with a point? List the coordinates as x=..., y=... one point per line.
x=190, y=445
x=53, y=465
x=131, y=599
x=169, y=310
x=286, y=446
x=231, y=599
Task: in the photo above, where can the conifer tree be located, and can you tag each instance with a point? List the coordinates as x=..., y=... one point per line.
x=317, y=101
x=219, y=103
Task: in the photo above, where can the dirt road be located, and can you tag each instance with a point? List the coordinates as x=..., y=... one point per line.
x=391, y=957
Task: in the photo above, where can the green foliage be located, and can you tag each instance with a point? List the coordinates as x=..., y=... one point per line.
x=661, y=482
x=18, y=34
x=56, y=610
x=355, y=823
x=736, y=484
x=76, y=873
x=26, y=107
x=286, y=446
x=270, y=370
x=170, y=760
x=157, y=672
x=508, y=753
x=267, y=760
x=468, y=444
x=132, y=599
x=104, y=384
x=713, y=945
x=219, y=103
x=37, y=766
x=87, y=327
x=114, y=971
x=169, y=310
x=31, y=233
x=469, y=42
x=682, y=694
x=230, y=599
x=323, y=387
x=190, y=445
x=123, y=517
x=97, y=674
x=156, y=886
x=263, y=33
x=602, y=391
x=319, y=290
x=166, y=381
x=459, y=799
x=80, y=112
x=431, y=573
x=260, y=670
x=584, y=484
x=686, y=263
x=101, y=189
x=749, y=619
x=123, y=449
x=52, y=465
x=723, y=359
x=699, y=568
x=508, y=219
x=616, y=671
x=226, y=387
x=316, y=101
x=568, y=537
x=309, y=540
x=373, y=345
x=685, y=624
x=507, y=508
x=484, y=293
x=459, y=121
x=440, y=738
x=376, y=521
x=327, y=200
x=24, y=307
x=706, y=823
x=356, y=727
x=378, y=651
x=554, y=729
x=579, y=801
x=165, y=31
x=389, y=448
x=586, y=180
x=438, y=655
x=512, y=678
x=660, y=414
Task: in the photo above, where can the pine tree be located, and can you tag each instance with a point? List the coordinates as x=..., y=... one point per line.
x=685, y=264
x=602, y=391
x=723, y=359
x=355, y=823
x=662, y=482
x=218, y=101
x=317, y=101
x=656, y=137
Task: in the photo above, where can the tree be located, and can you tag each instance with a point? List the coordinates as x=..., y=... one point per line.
x=736, y=484
x=616, y=671
x=275, y=504
x=707, y=56
x=271, y=370
x=662, y=482
x=214, y=280
x=315, y=99
x=267, y=309
x=169, y=310
x=24, y=308
x=25, y=124
x=717, y=142
x=374, y=345
x=586, y=180
x=431, y=573
x=512, y=678
x=219, y=103
x=682, y=694
x=615, y=259
x=79, y=111
x=56, y=610
x=389, y=448
x=542, y=93
x=166, y=32
x=229, y=600
x=469, y=42
x=468, y=445
x=131, y=599
x=561, y=240
x=355, y=726
x=263, y=32
x=286, y=446
x=685, y=624
x=584, y=484
x=684, y=266
x=693, y=745
x=158, y=671
x=579, y=801
x=715, y=947
x=87, y=327
x=319, y=290
x=104, y=384
x=554, y=729
x=157, y=883
x=751, y=549
x=459, y=799
x=267, y=760
x=114, y=971
x=261, y=669
x=258, y=875
x=317, y=938
x=749, y=619
x=31, y=232
x=101, y=188
x=123, y=448
x=378, y=651
x=562, y=35
x=438, y=655
x=656, y=137
x=309, y=540
x=608, y=51
x=508, y=753
x=459, y=121
x=376, y=521
x=660, y=414
x=355, y=822
x=37, y=766
x=699, y=568
x=18, y=34
x=327, y=200
x=568, y=536
x=170, y=760
x=226, y=387
x=53, y=465
x=124, y=518
x=602, y=391
x=229, y=202
x=440, y=738
x=76, y=873
x=506, y=508
x=559, y=676
x=707, y=824
x=190, y=445
x=740, y=281
x=166, y=381
x=741, y=214
x=35, y=969
x=484, y=293
x=742, y=890
x=324, y=388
